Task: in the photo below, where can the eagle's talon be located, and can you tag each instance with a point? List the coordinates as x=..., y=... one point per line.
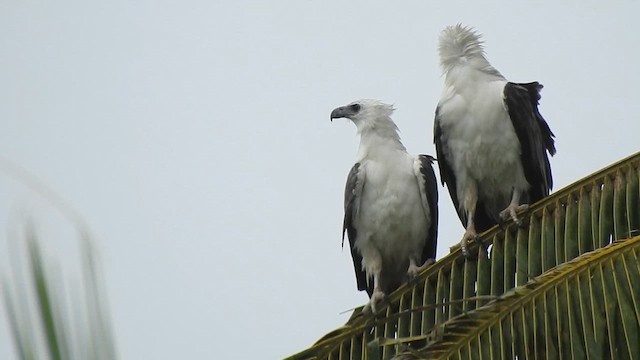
x=414, y=270
x=511, y=212
x=428, y=263
x=378, y=298
x=468, y=236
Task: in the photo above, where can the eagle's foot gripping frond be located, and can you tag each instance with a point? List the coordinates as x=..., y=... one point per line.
x=376, y=303
x=414, y=270
x=469, y=235
x=511, y=212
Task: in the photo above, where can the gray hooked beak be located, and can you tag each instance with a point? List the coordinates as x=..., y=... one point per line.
x=342, y=112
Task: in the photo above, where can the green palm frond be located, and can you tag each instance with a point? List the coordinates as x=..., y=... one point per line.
x=48, y=323
x=47, y=319
x=585, y=216
x=588, y=308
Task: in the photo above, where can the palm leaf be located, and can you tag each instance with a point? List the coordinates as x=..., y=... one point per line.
x=46, y=321
x=564, y=313
x=45, y=324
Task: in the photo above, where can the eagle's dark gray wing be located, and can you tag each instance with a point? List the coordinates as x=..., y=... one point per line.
x=352, y=197
x=534, y=134
x=444, y=164
x=429, y=193
x=482, y=220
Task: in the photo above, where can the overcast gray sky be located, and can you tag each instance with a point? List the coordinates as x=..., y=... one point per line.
x=194, y=138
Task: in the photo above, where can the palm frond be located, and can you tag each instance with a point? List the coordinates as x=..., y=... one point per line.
x=586, y=308
x=45, y=324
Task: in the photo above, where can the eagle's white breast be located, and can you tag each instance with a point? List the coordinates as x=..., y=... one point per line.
x=392, y=215
x=481, y=143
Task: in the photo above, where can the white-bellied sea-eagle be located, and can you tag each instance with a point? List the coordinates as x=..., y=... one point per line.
x=491, y=141
x=390, y=203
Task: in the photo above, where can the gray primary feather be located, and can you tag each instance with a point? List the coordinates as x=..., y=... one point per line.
x=352, y=191
x=429, y=195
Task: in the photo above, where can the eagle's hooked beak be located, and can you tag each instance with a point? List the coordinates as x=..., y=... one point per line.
x=341, y=112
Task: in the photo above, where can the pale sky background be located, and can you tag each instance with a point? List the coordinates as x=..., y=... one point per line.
x=194, y=138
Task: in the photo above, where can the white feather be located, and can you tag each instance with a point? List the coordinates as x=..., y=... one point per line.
x=461, y=47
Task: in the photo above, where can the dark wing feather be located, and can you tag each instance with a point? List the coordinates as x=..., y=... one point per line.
x=429, y=190
x=352, y=193
x=446, y=172
x=483, y=221
x=536, y=138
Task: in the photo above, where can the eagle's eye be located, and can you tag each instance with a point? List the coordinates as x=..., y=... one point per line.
x=355, y=107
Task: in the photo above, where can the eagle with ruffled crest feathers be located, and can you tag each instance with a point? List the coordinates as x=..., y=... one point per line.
x=492, y=143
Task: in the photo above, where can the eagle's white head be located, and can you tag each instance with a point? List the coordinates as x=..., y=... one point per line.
x=462, y=46
x=373, y=120
x=366, y=114
x=364, y=111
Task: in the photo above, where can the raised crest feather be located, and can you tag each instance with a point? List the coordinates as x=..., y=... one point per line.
x=462, y=45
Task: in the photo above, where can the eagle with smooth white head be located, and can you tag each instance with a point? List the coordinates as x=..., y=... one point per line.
x=491, y=141
x=390, y=204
